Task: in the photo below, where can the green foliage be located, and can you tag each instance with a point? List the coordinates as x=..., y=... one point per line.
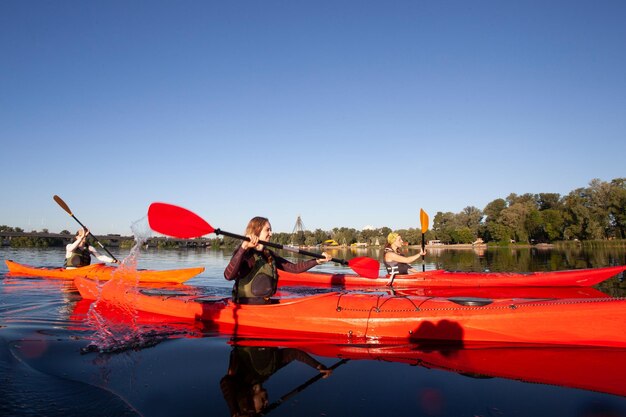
x=344, y=235
x=5, y=228
x=126, y=243
x=552, y=225
x=596, y=212
x=463, y=235
x=31, y=242
x=458, y=228
x=167, y=244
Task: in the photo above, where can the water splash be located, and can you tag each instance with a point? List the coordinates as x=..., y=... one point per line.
x=115, y=324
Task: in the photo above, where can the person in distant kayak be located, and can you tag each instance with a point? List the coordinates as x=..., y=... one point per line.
x=249, y=367
x=395, y=262
x=78, y=253
x=254, y=267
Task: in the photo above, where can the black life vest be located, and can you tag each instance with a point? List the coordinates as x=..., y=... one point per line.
x=259, y=363
x=80, y=257
x=395, y=268
x=260, y=284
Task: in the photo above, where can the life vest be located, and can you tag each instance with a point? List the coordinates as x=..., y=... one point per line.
x=258, y=362
x=395, y=268
x=260, y=283
x=80, y=257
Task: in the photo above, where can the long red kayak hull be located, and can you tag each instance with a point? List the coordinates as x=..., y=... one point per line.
x=104, y=272
x=371, y=316
x=442, y=278
x=502, y=292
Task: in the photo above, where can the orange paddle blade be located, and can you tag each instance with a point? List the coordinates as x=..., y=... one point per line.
x=424, y=220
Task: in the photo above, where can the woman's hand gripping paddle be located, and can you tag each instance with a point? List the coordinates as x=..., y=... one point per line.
x=179, y=222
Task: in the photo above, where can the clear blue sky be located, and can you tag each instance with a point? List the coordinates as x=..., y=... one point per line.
x=348, y=113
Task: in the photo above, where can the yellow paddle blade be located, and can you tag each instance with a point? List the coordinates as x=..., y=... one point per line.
x=424, y=220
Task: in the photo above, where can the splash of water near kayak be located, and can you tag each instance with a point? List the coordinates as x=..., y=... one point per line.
x=115, y=325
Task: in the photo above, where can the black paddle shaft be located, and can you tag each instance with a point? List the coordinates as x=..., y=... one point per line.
x=300, y=388
x=279, y=246
x=423, y=249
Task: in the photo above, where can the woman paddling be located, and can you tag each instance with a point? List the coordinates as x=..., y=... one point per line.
x=78, y=253
x=253, y=267
x=395, y=262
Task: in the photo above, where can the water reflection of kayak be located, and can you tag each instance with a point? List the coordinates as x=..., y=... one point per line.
x=441, y=278
x=375, y=316
x=595, y=369
x=104, y=272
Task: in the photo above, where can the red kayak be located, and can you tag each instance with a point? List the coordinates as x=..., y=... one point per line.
x=591, y=368
x=371, y=316
x=502, y=292
x=442, y=278
x=104, y=272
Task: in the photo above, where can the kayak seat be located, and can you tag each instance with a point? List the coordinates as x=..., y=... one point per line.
x=471, y=301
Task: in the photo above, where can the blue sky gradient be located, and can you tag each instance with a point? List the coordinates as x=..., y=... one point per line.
x=347, y=113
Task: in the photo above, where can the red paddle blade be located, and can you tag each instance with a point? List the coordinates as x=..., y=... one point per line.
x=176, y=221
x=365, y=267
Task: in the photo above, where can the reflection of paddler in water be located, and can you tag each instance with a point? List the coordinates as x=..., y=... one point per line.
x=250, y=367
x=78, y=253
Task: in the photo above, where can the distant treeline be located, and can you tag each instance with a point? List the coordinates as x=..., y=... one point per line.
x=42, y=239
x=34, y=239
x=594, y=213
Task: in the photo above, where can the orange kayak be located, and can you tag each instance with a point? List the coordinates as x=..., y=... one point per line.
x=442, y=278
x=373, y=316
x=104, y=272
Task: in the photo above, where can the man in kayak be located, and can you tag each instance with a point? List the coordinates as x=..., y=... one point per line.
x=78, y=253
x=395, y=262
x=249, y=367
x=253, y=267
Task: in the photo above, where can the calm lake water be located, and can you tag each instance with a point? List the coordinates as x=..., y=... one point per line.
x=59, y=359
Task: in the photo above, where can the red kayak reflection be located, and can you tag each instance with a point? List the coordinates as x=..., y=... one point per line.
x=117, y=328
x=593, y=369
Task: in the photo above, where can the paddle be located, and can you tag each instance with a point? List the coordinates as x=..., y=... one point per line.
x=65, y=207
x=179, y=222
x=424, y=225
x=300, y=388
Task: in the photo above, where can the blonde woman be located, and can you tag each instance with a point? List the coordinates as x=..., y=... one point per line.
x=395, y=262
